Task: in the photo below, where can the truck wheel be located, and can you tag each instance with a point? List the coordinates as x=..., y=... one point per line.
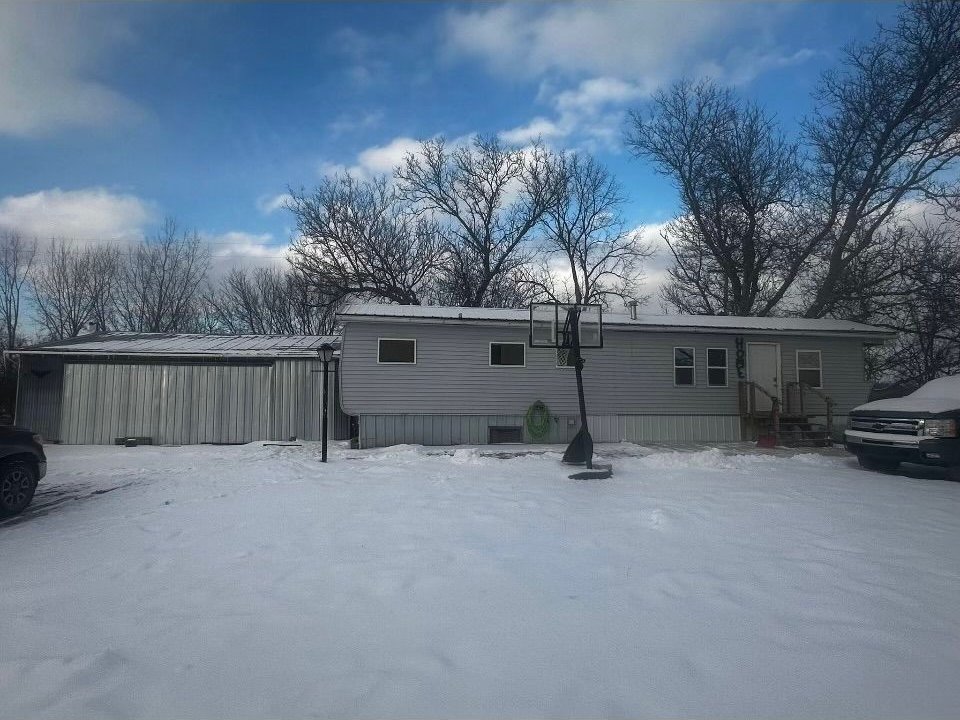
x=953, y=473
x=872, y=463
x=18, y=482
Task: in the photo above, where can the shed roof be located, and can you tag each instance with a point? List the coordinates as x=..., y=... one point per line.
x=623, y=321
x=185, y=345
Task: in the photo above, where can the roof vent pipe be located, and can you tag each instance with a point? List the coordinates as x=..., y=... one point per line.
x=632, y=307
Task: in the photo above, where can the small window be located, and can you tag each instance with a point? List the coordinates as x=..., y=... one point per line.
x=511, y=354
x=809, y=368
x=393, y=350
x=683, y=369
x=717, y=367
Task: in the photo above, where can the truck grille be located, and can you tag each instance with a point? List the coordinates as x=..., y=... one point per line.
x=888, y=426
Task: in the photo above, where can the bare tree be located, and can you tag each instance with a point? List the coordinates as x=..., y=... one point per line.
x=269, y=301
x=161, y=280
x=489, y=201
x=584, y=226
x=921, y=302
x=887, y=131
x=358, y=238
x=73, y=288
x=737, y=178
x=16, y=262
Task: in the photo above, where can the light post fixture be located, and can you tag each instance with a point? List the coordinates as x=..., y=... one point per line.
x=325, y=353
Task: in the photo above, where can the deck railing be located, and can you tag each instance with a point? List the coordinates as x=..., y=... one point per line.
x=805, y=387
x=748, y=403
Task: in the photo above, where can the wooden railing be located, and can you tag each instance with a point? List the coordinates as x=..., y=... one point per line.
x=748, y=403
x=801, y=387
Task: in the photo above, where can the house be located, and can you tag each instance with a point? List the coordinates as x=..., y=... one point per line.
x=449, y=375
x=177, y=388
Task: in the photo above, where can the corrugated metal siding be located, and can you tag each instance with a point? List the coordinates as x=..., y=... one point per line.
x=197, y=403
x=383, y=430
x=39, y=395
x=631, y=375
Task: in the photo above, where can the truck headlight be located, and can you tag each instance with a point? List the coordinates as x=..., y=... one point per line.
x=940, y=428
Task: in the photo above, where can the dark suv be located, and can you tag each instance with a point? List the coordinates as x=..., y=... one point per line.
x=919, y=428
x=22, y=465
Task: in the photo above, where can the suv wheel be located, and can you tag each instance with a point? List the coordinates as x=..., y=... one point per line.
x=18, y=481
x=872, y=463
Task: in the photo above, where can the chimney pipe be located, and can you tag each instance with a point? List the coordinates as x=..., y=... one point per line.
x=632, y=306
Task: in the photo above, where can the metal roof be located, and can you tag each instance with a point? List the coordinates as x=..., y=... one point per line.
x=672, y=323
x=185, y=345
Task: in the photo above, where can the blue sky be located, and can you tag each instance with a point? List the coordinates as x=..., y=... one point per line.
x=113, y=116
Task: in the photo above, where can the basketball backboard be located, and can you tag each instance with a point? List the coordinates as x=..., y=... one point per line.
x=551, y=325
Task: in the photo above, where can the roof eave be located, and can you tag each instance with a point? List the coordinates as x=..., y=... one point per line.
x=879, y=336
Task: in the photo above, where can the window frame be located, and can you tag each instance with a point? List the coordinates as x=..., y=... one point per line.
x=725, y=367
x=818, y=368
x=692, y=367
x=490, y=362
x=394, y=362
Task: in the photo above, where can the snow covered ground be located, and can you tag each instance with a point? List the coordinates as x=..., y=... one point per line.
x=249, y=582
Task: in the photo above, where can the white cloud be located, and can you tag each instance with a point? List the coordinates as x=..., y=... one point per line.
x=593, y=110
x=239, y=249
x=89, y=214
x=539, y=128
x=50, y=64
x=374, y=160
x=646, y=43
x=382, y=159
x=269, y=204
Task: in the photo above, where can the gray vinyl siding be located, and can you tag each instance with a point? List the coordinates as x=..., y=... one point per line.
x=187, y=403
x=631, y=375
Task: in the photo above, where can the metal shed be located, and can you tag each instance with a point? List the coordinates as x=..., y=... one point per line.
x=178, y=389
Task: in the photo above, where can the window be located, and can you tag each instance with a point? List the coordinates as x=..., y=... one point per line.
x=509, y=354
x=683, y=370
x=809, y=368
x=717, y=367
x=395, y=350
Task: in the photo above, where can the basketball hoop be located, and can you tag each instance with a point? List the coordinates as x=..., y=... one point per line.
x=572, y=327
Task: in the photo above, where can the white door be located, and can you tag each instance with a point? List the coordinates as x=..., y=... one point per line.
x=763, y=368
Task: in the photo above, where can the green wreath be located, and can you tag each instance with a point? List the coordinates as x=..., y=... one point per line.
x=538, y=421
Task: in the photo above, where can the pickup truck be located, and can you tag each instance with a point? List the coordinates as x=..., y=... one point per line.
x=921, y=427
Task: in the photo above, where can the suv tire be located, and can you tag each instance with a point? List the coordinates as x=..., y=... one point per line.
x=18, y=482
x=872, y=463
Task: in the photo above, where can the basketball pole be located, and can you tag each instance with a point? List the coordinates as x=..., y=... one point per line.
x=581, y=448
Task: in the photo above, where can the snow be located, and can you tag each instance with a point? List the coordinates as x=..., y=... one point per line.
x=253, y=581
x=936, y=396
x=680, y=323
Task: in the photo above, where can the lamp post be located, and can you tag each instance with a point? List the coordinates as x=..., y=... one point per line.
x=325, y=353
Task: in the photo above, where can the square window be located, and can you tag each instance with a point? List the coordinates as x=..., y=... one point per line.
x=717, y=377
x=683, y=376
x=392, y=350
x=508, y=354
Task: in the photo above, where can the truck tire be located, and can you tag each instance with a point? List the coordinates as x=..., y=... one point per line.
x=872, y=463
x=18, y=482
x=953, y=473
